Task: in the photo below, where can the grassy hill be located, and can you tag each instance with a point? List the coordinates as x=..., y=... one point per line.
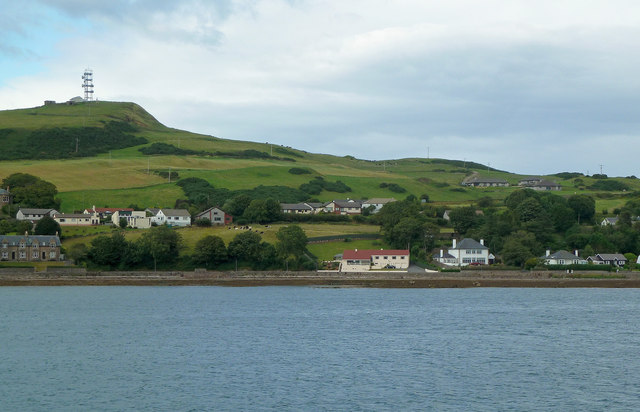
x=122, y=176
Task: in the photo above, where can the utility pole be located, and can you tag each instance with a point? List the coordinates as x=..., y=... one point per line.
x=600, y=169
x=428, y=154
x=77, y=140
x=148, y=161
x=169, y=174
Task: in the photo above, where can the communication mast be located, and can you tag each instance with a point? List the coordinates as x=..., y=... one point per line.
x=87, y=84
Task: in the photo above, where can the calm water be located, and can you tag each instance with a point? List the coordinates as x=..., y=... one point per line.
x=272, y=348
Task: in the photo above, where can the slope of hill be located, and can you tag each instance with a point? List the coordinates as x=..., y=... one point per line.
x=123, y=176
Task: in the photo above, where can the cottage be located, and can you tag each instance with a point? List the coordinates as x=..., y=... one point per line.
x=296, y=208
x=77, y=219
x=135, y=219
x=466, y=252
x=344, y=207
x=529, y=181
x=366, y=260
x=377, y=203
x=216, y=216
x=613, y=259
x=34, y=214
x=170, y=217
x=609, y=221
x=562, y=257
x=545, y=185
x=29, y=248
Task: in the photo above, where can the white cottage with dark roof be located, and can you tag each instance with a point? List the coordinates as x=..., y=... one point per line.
x=466, y=252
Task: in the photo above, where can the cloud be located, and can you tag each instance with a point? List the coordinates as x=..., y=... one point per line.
x=492, y=81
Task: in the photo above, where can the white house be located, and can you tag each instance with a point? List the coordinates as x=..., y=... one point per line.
x=34, y=214
x=171, y=217
x=296, y=208
x=377, y=203
x=562, y=257
x=464, y=253
x=609, y=221
x=77, y=219
x=365, y=260
x=344, y=207
x=135, y=219
x=613, y=259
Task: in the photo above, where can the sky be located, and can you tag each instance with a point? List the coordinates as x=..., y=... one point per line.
x=530, y=87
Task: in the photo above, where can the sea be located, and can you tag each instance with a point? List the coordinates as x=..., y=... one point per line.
x=318, y=349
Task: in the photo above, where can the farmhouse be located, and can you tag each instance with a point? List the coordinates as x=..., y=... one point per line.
x=486, y=182
x=296, y=208
x=170, y=217
x=77, y=219
x=216, y=216
x=364, y=260
x=613, y=259
x=34, y=214
x=562, y=257
x=609, y=221
x=135, y=219
x=107, y=212
x=377, y=203
x=29, y=248
x=344, y=207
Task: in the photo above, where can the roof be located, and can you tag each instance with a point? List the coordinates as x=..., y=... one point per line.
x=348, y=203
x=14, y=240
x=4, y=192
x=531, y=179
x=295, y=206
x=209, y=210
x=153, y=210
x=28, y=211
x=367, y=253
x=469, y=243
x=176, y=212
x=612, y=220
x=487, y=180
x=561, y=254
x=316, y=205
x=379, y=200
x=65, y=215
x=445, y=255
x=545, y=183
x=111, y=209
x=611, y=256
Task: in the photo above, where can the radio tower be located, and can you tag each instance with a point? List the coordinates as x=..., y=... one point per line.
x=87, y=84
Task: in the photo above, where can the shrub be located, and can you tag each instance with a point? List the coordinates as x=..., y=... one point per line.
x=299, y=171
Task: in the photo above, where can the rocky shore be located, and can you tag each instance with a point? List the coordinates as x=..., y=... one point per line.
x=464, y=279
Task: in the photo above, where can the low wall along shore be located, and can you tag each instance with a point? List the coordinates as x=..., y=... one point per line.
x=464, y=279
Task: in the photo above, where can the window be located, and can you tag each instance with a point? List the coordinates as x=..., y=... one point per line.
x=52, y=254
x=377, y=257
x=402, y=257
x=4, y=245
x=393, y=257
x=23, y=255
x=34, y=254
x=5, y=255
x=22, y=245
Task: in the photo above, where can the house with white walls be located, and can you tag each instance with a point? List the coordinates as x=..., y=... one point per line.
x=463, y=253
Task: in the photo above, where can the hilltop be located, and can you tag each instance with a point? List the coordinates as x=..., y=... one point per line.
x=92, y=152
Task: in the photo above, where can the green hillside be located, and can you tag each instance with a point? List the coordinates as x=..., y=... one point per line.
x=121, y=175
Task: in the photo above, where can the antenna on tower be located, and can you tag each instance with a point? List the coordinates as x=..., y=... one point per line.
x=87, y=84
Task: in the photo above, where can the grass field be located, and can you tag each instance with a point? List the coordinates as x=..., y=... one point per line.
x=125, y=176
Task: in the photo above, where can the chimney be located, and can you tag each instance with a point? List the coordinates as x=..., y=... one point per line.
x=548, y=252
x=482, y=242
x=575, y=252
x=441, y=253
x=356, y=250
x=454, y=244
x=26, y=233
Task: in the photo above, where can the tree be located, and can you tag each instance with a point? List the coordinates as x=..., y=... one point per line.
x=262, y=211
x=108, y=250
x=237, y=205
x=292, y=241
x=584, y=207
x=31, y=191
x=47, y=226
x=210, y=250
x=245, y=246
x=160, y=244
x=519, y=247
x=123, y=223
x=463, y=219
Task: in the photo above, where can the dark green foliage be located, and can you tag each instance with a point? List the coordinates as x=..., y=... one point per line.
x=112, y=251
x=173, y=175
x=291, y=241
x=245, y=246
x=458, y=189
x=394, y=187
x=609, y=185
x=204, y=222
x=62, y=142
x=599, y=176
x=464, y=164
x=263, y=211
x=168, y=149
x=464, y=218
x=584, y=207
x=31, y=191
x=160, y=245
x=520, y=247
x=47, y=226
x=318, y=184
x=299, y=171
x=568, y=175
x=287, y=152
x=210, y=251
x=315, y=218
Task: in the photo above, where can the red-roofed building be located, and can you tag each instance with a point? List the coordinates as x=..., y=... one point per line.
x=374, y=259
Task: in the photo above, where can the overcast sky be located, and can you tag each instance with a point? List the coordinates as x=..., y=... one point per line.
x=530, y=87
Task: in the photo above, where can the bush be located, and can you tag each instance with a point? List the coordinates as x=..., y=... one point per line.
x=299, y=171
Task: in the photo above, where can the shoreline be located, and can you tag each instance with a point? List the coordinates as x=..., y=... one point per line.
x=333, y=280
